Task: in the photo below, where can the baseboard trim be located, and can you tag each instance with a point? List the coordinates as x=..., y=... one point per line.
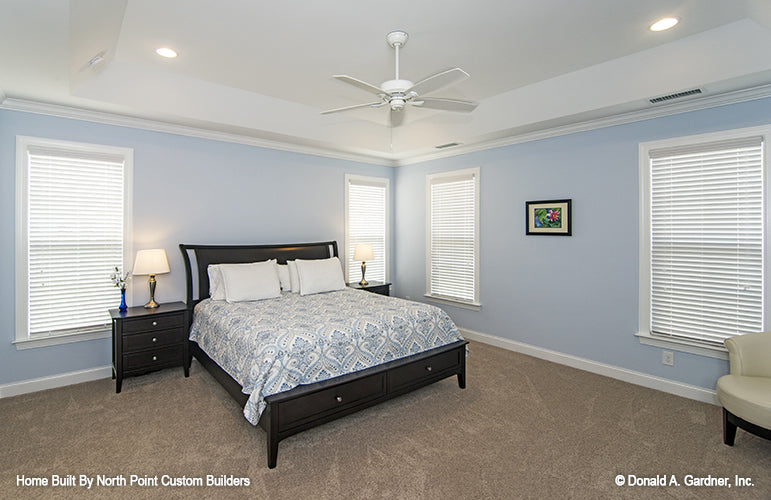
x=623, y=374
x=54, y=381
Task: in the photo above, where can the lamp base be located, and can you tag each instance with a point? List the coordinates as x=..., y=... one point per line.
x=363, y=282
x=152, y=304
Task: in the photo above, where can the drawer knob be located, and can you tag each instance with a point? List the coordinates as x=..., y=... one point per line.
x=339, y=399
x=428, y=368
x=155, y=340
x=155, y=323
x=155, y=358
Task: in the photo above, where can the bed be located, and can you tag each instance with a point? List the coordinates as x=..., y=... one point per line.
x=322, y=371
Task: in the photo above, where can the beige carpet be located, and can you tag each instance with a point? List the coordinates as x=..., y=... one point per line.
x=524, y=428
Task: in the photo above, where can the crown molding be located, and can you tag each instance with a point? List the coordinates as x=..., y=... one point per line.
x=656, y=111
x=29, y=106
x=659, y=111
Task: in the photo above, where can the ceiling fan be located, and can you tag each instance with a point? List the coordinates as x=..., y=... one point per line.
x=397, y=93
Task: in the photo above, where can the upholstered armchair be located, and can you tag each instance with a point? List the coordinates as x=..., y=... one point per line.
x=746, y=393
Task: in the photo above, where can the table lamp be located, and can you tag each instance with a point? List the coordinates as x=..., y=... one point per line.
x=363, y=252
x=151, y=262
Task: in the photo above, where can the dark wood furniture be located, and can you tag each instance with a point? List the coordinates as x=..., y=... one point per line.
x=309, y=405
x=374, y=287
x=731, y=422
x=145, y=340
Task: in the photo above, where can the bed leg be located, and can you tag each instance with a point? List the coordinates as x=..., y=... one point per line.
x=462, y=372
x=270, y=424
x=272, y=451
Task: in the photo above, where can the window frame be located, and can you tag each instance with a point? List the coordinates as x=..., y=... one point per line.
x=385, y=182
x=475, y=304
x=644, y=179
x=23, y=339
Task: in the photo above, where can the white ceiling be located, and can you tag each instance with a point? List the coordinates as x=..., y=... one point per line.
x=262, y=70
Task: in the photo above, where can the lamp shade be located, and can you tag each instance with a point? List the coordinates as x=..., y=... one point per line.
x=151, y=262
x=363, y=251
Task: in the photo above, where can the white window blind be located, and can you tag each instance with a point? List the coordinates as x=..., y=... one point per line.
x=453, y=201
x=367, y=222
x=75, y=229
x=707, y=236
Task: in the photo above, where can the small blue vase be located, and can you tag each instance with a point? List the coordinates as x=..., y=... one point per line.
x=123, y=306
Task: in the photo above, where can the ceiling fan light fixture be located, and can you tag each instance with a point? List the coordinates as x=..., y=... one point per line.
x=664, y=24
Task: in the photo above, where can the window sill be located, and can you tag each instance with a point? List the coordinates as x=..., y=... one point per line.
x=682, y=345
x=22, y=344
x=474, y=306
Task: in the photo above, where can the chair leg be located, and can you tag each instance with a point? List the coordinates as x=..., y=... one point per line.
x=729, y=429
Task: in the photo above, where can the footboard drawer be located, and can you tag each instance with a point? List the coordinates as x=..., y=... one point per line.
x=331, y=400
x=418, y=373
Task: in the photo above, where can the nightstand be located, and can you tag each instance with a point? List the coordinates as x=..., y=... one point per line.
x=145, y=340
x=374, y=287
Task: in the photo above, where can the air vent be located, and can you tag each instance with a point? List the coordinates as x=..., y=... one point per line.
x=448, y=145
x=676, y=95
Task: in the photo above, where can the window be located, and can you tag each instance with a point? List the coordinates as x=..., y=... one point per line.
x=452, y=264
x=366, y=221
x=72, y=217
x=702, y=240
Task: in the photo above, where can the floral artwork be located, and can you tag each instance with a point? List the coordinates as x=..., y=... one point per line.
x=549, y=217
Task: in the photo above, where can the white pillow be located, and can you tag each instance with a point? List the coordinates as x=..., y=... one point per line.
x=320, y=275
x=245, y=282
x=216, y=286
x=293, y=278
x=283, y=276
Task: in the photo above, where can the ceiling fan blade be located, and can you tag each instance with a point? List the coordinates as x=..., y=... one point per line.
x=446, y=104
x=439, y=81
x=346, y=108
x=397, y=117
x=360, y=84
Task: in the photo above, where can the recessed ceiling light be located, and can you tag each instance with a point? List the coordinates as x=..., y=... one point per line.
x=664, y=24
x=166, y=52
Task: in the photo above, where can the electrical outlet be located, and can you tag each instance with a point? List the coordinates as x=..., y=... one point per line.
x=668, y=358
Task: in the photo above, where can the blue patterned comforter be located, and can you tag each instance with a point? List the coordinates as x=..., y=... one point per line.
x=273, y=345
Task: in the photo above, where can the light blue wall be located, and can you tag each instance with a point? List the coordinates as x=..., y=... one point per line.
x=576, y=295
x=186, y=190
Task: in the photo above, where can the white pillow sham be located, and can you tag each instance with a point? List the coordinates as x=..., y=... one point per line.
x=320, y=275
x=283, y=276
x=247, y=282
x=216, y=285
x=293, y=278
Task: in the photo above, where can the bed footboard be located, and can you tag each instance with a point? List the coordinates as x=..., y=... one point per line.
x=310, y=405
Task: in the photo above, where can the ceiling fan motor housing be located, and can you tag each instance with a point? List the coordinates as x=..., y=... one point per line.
x=396, y=86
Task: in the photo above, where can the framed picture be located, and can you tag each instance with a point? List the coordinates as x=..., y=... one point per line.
x=548, y=217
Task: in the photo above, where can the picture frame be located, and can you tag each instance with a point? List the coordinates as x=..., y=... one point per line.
x=549, y=217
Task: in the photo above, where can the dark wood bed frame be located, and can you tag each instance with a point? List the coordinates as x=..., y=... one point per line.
x=309, y=405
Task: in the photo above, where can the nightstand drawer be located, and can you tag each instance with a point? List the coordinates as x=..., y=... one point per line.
x=153, y=339
x=160, y=322
x=153, y=358
x=428, y=368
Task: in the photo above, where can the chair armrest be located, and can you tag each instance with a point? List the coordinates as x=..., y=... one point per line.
x=750, y=355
